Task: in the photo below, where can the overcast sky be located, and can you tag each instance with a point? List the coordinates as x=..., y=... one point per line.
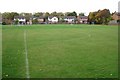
x=32, y=6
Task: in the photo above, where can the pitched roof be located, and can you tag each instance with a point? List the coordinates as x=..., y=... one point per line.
x=83, y=17
x=19, y=17
x=70, y=17
x=117, y=13
x=116, y=16
x=50, y=17
x=40, y=17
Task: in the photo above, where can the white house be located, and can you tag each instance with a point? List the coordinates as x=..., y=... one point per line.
x=70, y=19
x=52, y=19
x=21, y=19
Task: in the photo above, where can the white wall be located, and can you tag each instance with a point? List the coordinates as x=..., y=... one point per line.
x=54, y=19
x=23, y=20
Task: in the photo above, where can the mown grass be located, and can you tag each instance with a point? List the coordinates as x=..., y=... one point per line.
x=61, y=51
x=13, y=58
x=0, y=51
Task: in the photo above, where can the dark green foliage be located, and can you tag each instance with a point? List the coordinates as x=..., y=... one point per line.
x=8, y=17
x=54, y=14
x=81, y=14
x=72, y=14
x=46, y=15
x=3, y=23
x=16, y=22
x=35, y=21
x=38, y=14
x=118, y=21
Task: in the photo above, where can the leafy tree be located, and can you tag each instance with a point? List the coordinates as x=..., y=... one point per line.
x=91, y=16
x=9, y=17
x=72, y=14
x=28, y=16
x=3, y=23
x=66, y=14
x=16, y=22
x=81, y=14
x=6, y=15
x=38, y=14
x=60, y=14
x=54, y=14
x=13, y=14
x=100, y=17
x=35, y=21
x=46, y=15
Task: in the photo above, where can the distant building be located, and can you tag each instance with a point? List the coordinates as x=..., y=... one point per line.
x=29, y=22
x=116, y=16
x=20, y=19
x=40, y=19
x=113, y=22
x=82, y=19
x=70, y=19
x=53, y=19
x=116, y=19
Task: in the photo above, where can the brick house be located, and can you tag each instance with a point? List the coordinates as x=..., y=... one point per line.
x=82, y=19
x=116, y=19
x=116, y=16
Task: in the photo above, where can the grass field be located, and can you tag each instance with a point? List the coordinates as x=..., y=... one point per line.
x=0, y=51
x=60, y=51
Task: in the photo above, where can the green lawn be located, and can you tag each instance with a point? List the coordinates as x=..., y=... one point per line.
x=0, y=51
x=61, y=51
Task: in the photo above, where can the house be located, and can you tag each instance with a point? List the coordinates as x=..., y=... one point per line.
x=53, y=19
x=82, y=19
x=20, y=20
x=116, y=19
x=116, y=16
x=70, y=19
x=30, y=21
x=41, y=20
x=113, y=22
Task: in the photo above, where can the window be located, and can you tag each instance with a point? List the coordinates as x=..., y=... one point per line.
x=54, y=18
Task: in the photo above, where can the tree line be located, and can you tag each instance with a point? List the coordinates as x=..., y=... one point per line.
x=97, y=17
x=100, y=16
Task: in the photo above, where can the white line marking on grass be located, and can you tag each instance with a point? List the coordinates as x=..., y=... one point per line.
x=26, y=55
